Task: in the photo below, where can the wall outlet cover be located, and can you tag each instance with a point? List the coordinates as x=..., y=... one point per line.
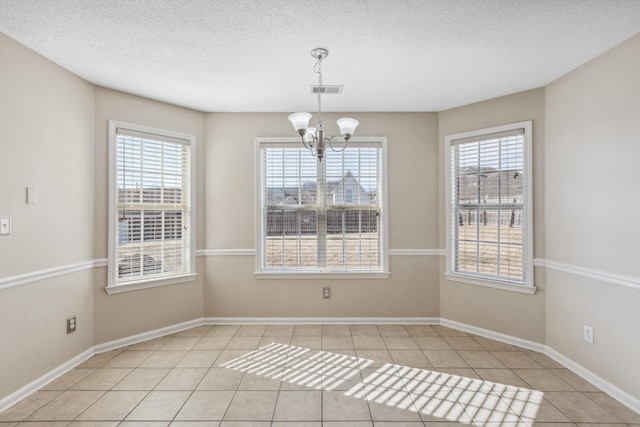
x=588, y=334
x=71, y=324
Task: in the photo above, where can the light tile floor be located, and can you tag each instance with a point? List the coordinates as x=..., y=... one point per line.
x=312, y=376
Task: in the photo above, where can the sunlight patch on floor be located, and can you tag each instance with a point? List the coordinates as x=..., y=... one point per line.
x=432, y=394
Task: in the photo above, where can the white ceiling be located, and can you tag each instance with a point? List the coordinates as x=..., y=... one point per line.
x=254, y=55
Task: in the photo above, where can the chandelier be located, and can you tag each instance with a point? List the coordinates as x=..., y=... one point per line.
x=313, y=137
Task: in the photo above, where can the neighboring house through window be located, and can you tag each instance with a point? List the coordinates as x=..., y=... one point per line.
x=321, y=217
x=489, y=236
x=151, y=213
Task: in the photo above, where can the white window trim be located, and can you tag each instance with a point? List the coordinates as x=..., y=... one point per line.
x=146, y=284
x=112, y=287
x=322, y=274
x=528, y=287
x=279, y=275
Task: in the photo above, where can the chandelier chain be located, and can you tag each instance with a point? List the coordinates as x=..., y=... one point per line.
x=318, y=69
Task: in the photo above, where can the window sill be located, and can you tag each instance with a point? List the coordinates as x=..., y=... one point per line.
x=524, y=289
x=117, y=289
x=279, y=275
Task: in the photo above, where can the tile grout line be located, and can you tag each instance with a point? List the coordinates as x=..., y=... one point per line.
x=275, y=405
x=156, y=385
x=244, y=374
x=195, y=387
x=587, y=394
x=69, y=389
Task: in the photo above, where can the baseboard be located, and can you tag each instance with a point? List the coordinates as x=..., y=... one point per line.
x=614, y=391
x=604, y=385
x=38, y=383
x=156, y=333
x=321, y=320
x=507, y=339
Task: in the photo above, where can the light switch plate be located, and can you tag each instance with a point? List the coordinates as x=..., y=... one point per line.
x=32, y=195
x=5, y=226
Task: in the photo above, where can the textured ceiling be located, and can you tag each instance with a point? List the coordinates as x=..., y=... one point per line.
x=254, y=55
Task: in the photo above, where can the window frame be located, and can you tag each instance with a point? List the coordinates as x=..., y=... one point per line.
x=325, y=273
x=527, y=211
x=113, y=286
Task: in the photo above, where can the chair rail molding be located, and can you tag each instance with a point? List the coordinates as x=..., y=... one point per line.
x=49, y=273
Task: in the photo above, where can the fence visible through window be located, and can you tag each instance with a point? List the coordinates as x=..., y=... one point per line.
x=318, y=215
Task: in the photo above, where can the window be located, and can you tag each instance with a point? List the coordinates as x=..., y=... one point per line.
x=489, y=239
x=151, y=215
x=321, y=217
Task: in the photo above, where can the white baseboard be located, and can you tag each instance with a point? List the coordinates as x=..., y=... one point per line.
x=156, y=333
x=321, y=320
x=38, y=383
x=614, y=391
x=507, y=339
x=604, y=385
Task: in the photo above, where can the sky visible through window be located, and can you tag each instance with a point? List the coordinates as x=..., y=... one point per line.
x=504, y=153
x=148, y=163
x=294, y=167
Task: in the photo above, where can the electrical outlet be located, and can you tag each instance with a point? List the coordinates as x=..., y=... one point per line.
x=71, y=324
x=588, y=334
x=326, y=292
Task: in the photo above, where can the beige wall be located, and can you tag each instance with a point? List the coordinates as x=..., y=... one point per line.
x=46, y=125
x=231, y=289
x=592, y=151
x=516, y=314
x=46, y=141
x=53, y=136
x=33, y=333
x=130, y=313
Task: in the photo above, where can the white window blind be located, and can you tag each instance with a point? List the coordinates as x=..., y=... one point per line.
x=152, y=215
x=321, y=216
x=489, y=206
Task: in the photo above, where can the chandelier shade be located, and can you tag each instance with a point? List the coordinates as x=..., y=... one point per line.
x=300, y=121
x=347, y=126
